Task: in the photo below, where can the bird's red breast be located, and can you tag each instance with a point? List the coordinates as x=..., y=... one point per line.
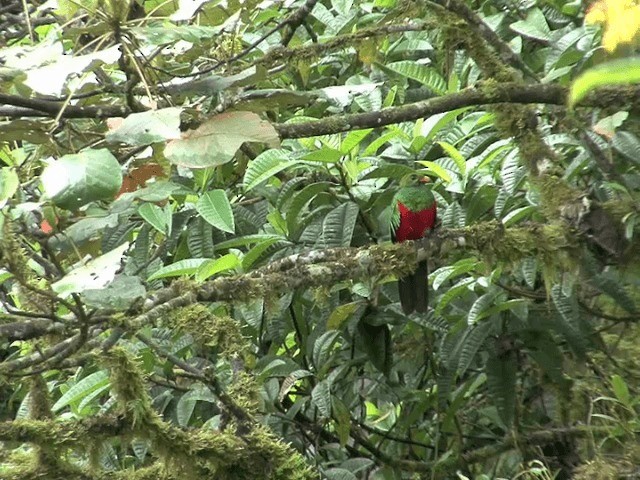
x=413, y=225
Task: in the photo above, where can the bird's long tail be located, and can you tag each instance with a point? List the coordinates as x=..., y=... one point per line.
x=414, y=290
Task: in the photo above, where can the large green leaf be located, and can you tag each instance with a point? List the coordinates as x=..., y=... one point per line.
x=120, y=294
x=214, y=266
x=158, y=217
x=77, y=179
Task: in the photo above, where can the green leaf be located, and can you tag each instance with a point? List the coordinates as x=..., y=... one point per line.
x=612, y=287
x=501, y=384
x=342, y=419
x=215, y=208
x=83, y=388
x=534, y=26
x=480, y=306
x=321, y=398
x=247, y=240
x=9, y=183
x=338, y=225
x=567, y=323
x=436, y=169
x=200, y=238
x=388, y=170
x=265, y=166
x=188, y=266
x=456, y=156
x=472, y=342
x=628, y=145
x=435, y=123
x=512, y=172
x=216, y=141
x=299, y=202
x=341, y=313
x=77, y=179
x=253, y=255
x=322, y=347
x=450, y=272
x=428, y=76
x=518, y=214
x=325, y=155
x=454, y=216
x=621, y=390
x=159, y=218
x=214, y=266
x=454, y=292
x=290, y=381
x=353, y=139
x=530, y=271
x=147, y=127
x=338, y=474
x=616, y=72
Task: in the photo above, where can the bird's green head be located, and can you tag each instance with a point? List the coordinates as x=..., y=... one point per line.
x=414, y=179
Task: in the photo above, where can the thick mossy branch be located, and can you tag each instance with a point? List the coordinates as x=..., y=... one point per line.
x=552, y=244
x=197, y=454
x=343, y=264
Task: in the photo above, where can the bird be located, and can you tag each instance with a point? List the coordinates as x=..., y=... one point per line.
x=414, y=214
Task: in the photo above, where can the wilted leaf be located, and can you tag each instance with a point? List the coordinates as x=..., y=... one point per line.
x=97, y=273
x=216, y=141
x=148, y=127
x=118, y=295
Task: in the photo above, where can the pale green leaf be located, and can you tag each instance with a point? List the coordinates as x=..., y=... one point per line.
x=188, y=266
x=159, y=218
x=214, y=266
x=436, y=169
x=215, y=208
x=616, y=72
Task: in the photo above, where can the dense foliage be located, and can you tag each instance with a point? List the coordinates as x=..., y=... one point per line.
x=197, y=278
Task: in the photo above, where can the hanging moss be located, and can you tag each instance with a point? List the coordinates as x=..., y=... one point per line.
x=128, y=386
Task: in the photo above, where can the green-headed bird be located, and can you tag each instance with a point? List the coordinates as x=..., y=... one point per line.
x=414, y=213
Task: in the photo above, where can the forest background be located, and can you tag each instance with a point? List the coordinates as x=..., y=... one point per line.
x=197, y=279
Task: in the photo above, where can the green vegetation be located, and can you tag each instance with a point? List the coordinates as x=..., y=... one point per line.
x=197, y=279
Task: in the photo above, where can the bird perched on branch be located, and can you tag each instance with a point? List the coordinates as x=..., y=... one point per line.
x=414, y=213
